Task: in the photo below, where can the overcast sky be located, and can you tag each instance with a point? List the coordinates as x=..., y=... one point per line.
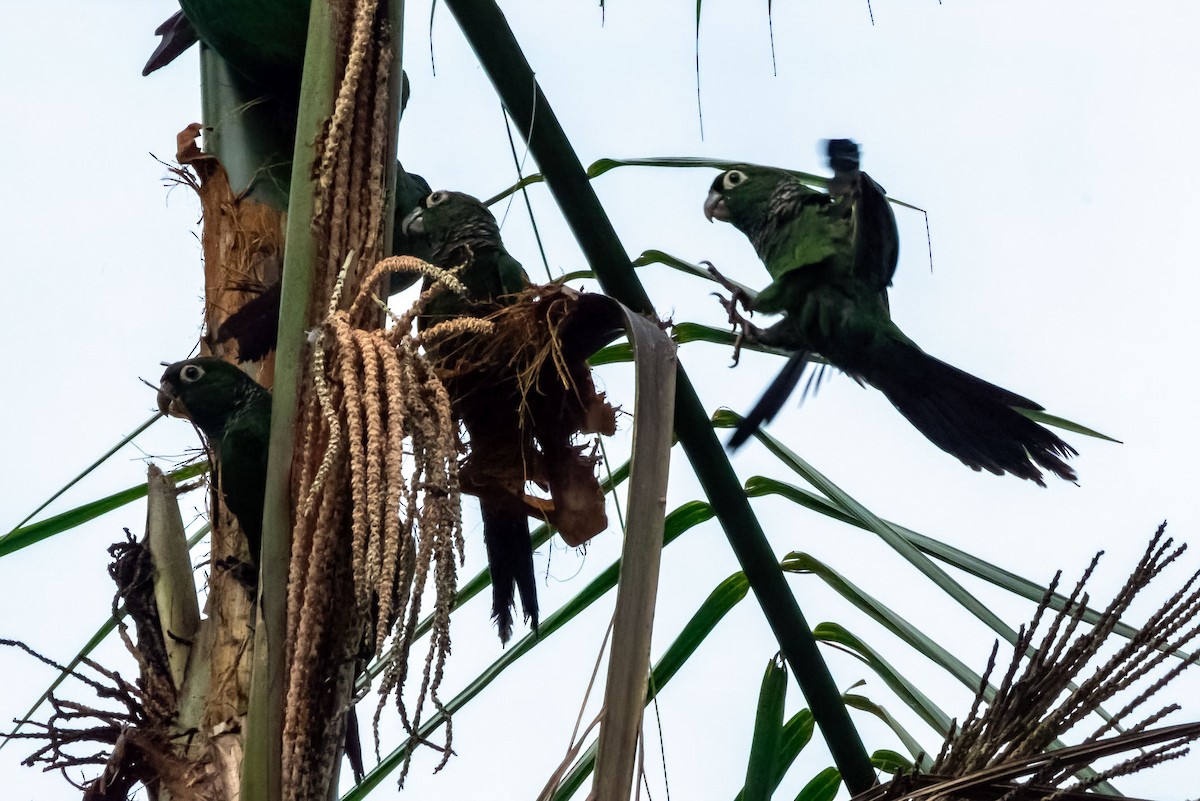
x=1051, y=143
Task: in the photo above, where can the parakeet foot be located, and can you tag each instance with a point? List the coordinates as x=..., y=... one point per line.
x=737, y=296
x=744, y=328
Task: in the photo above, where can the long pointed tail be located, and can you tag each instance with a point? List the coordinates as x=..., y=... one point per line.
x=510, y=560
x=772, y=400
x=967, y=417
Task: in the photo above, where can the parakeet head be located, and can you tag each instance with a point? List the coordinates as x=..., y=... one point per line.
x=208, y=392
x=759, y=201
x=745, y=194
x=450, y=220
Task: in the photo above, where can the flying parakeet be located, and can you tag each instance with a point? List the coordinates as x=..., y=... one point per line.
x=461, y=231
x=234, y=414
x=831, y=258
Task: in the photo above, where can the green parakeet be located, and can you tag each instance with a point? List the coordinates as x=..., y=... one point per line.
x=234, y=414
x=461, y=231
x=458, y=230
x=831, y=258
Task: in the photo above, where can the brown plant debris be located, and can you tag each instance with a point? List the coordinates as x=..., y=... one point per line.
x=132, y=568
x=138, y=742
x=543, y=338
x=1011, y=731
x=243, y=245
x=133, y=748
x=378, y=400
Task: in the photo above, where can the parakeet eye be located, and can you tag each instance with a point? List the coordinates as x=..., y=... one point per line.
x=733, y=178
x=191, y=373
x=437, y=198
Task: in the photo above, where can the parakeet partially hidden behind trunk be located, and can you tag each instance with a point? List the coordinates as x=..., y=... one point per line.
x=461, y=231
x=832, y=257
x=234, y=414
x=521, y=409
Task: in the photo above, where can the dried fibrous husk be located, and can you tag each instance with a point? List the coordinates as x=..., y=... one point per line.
x=538, y=342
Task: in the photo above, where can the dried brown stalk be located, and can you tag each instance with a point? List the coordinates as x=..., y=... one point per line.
x=140, y=742
x=1041, y=697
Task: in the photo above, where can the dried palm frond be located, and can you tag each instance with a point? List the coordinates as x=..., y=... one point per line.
x=1038, y=700
x=1000, y=781
x=134, y=747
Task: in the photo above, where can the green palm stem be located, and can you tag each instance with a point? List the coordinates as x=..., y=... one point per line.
x=261, y=774
x=498, y=52
x=395, y=90
x=245, y=130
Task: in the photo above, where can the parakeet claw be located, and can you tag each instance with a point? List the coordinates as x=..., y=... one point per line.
x=736, y=293
x=737, y=296
x=740, y=324
x=730, y=305
x=721, y=279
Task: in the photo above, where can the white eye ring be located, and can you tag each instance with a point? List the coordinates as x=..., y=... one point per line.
x=732, y=179
x=191, y=373
x=437, y=198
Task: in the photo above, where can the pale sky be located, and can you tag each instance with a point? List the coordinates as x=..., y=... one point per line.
x=1052, y=145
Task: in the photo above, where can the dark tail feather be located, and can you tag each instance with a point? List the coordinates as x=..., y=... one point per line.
x=255, y=326
x=177, y=36
x=354, y=746
x=510, y=560
x=771, y=401
x=969, y=418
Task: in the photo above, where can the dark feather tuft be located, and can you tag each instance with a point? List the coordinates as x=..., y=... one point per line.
x=771, y=401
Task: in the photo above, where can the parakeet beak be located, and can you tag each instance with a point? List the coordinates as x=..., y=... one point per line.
x=168, y=402
x=715, y=208
x=414, y=223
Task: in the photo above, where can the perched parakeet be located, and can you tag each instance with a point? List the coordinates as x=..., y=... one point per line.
x=461, y=231
x=234, y=414
x=831, y=258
